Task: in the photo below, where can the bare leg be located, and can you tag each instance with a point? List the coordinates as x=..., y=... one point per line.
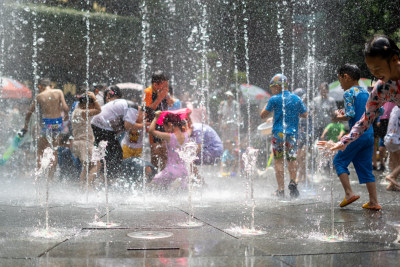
x=301, y=164
x=344, y=179
x=293, y=170
x=382, y=155
x=373, y=199
x=395, y=168
x=376, y=140
x=279, y=173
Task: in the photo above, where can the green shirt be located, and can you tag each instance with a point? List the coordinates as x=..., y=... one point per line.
x=334, y=130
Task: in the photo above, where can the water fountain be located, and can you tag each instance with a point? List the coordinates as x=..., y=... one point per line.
x=188, y=153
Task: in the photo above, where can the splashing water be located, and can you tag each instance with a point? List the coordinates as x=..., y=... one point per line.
x=45, y=164
x=99, y=153
x=249, y=159
x=188, y=153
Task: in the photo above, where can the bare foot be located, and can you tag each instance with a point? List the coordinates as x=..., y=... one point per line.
x=392, y=180
x=392, y=187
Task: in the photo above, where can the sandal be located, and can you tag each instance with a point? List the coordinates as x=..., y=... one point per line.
x=367, y=206
x=345, y=202
x=279, y=193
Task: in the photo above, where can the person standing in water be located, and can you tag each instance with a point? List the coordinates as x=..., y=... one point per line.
x=360, y=151
x=51, y=104
x=286, y=108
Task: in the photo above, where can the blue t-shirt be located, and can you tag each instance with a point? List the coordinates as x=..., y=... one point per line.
x=355, y=99
x=293, y=108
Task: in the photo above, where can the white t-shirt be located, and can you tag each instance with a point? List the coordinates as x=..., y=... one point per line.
x=393, y=130
x=114, y=114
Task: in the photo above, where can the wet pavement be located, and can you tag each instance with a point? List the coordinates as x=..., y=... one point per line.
x=296, y=231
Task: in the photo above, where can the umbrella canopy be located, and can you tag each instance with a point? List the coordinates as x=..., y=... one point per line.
x=10, y=88
x=255, y=93
x=337, y=92
x=130, y=86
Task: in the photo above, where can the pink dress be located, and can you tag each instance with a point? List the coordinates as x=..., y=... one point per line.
x=175, y=167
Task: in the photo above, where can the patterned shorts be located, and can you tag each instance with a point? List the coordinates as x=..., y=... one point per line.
x=282, y=143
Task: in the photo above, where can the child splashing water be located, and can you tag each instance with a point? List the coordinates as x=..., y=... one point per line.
x=175, y=137
x=382, y=58
x=359, y=152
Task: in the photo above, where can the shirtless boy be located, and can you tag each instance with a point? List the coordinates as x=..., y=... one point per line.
x=51, y=104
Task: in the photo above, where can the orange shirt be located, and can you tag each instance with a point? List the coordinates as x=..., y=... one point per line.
x=148, y=92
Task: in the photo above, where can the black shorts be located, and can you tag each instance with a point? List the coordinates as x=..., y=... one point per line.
x=381, y=130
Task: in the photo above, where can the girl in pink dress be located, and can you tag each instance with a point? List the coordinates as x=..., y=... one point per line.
x=175, y=137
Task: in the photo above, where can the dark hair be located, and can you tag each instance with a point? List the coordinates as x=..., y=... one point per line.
x=81, y=90
x=174, y=119
x=350, y=69
x=159, y=76
x=44, y=82
x=100, y=86
x=381, y=46
x=82, y=98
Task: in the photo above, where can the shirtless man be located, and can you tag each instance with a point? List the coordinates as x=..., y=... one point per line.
x=51, y=104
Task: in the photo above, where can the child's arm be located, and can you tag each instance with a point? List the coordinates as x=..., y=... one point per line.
x=265, y=113
x=153, y=131
x=324, y=133
x=340, y=135
x=28, y=115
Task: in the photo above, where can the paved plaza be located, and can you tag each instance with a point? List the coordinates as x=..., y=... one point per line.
x=296, y=231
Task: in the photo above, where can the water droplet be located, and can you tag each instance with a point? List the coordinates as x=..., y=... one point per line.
x=218, y=64
x=193, y=82
x=40, y=41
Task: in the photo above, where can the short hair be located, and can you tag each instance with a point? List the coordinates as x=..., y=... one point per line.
x=100, y=86
x=114, y=91
x=159, y=76
x=44, y=82
x=350, y=69
x=381, y=46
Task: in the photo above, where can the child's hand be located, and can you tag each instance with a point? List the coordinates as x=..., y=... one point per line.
x=339, y=113
x=331, y=145
x=157, y=114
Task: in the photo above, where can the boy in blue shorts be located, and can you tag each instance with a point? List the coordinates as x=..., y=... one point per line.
x=360, y=151
x=286, y=108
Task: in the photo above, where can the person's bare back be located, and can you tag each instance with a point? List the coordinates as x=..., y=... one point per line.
x=52, y=103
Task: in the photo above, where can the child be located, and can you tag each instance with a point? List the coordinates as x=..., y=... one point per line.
x=83, y=141
x=392, y=143
x=382, y=58
x=285, y=130
x=360, y=151
x=132, y=143
x=333, y=132
x=228, y=159
x=175, y=137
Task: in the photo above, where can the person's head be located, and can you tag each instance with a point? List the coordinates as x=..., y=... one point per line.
x=229, y=96
x=159, y=80
x=100, y=87
x=324, y=90
x=382, y=58
x=44, y=83
x=348, y=75
x=111, y=93
x=228, y=145
x=83, y=97
x=171, y=122
x=278, y=83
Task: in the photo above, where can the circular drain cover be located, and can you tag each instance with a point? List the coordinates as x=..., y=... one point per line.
x=150, y=235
